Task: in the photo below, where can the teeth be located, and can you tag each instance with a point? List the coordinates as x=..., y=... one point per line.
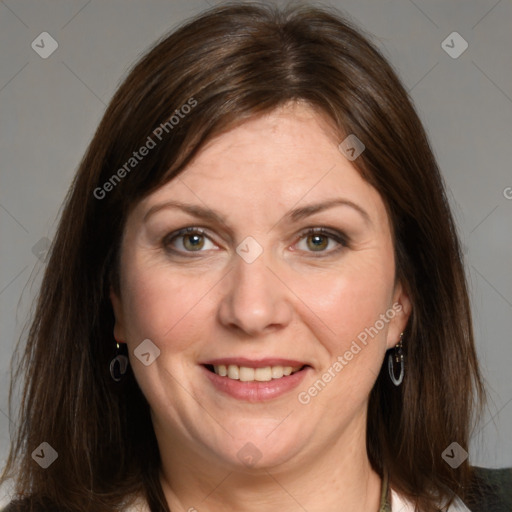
x=277, y=372
x=263, y=374
x=246, y=374
x=233, y=372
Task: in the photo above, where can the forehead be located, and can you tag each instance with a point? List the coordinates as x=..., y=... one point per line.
x=292, y=143
x=291, y=131
x=284, y=157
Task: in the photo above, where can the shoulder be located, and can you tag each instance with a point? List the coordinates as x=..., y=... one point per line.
x=17, y=506
x=28, y=505
x=401, y=504
x=491, y=489
x=135, y=503
x=25, y=505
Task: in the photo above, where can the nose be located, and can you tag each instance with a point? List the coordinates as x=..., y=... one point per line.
x=255, y=301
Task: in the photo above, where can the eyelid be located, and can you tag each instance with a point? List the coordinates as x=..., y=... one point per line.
x=324, y=230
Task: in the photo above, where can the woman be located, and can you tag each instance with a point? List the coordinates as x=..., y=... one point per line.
x=255, y=298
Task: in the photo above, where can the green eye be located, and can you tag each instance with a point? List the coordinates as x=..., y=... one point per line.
x=192, y=240
x=195, y=241
x=317, y=240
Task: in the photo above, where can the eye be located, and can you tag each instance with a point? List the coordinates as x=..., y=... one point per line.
x=193, y=239
x=186, y=240
x=318, y=239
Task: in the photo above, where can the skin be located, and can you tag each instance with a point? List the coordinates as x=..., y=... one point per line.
x=294, y=301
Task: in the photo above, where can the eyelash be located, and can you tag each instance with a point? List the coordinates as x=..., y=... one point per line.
x=338, y=237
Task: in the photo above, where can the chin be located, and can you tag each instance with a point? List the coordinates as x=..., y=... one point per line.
x=255, y=451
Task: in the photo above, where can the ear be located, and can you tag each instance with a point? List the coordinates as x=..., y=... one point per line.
x=117, y=306
x=402, y=307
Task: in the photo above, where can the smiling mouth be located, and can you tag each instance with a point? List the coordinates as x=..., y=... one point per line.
x=247, y=374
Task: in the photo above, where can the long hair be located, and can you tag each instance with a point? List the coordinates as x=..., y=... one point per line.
x=227, y=65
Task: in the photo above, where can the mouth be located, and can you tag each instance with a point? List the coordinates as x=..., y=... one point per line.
x=255, y=380
x=252, y=374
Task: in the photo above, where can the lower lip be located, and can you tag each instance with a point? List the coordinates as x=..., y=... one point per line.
x=256, y=391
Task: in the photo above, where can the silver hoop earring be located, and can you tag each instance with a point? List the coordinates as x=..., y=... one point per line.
x=398, y=358
x=118, y=365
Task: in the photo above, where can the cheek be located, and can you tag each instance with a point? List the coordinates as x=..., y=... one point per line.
x=351, y=299
x=161, y=305
x=354, y=346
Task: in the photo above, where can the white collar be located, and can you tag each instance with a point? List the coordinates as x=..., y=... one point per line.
x=140, y=505
x=400, y=504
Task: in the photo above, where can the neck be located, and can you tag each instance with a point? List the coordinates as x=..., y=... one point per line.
x=336, y=477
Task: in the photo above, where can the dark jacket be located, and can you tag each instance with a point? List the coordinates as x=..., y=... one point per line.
x=491, y=491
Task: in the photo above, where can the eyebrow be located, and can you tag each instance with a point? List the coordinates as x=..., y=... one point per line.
x=293, y=215
x=306, y=211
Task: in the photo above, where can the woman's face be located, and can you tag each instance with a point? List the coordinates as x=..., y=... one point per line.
x=252, y=294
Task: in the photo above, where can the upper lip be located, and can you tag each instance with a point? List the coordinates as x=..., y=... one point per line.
x=254, y=363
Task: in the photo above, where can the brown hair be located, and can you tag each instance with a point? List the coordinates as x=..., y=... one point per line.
x=229, y=64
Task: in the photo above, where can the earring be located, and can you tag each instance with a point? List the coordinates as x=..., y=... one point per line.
x=119, y=364
x=398, y=357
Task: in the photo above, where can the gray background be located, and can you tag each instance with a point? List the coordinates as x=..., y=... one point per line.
x=49, y=109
